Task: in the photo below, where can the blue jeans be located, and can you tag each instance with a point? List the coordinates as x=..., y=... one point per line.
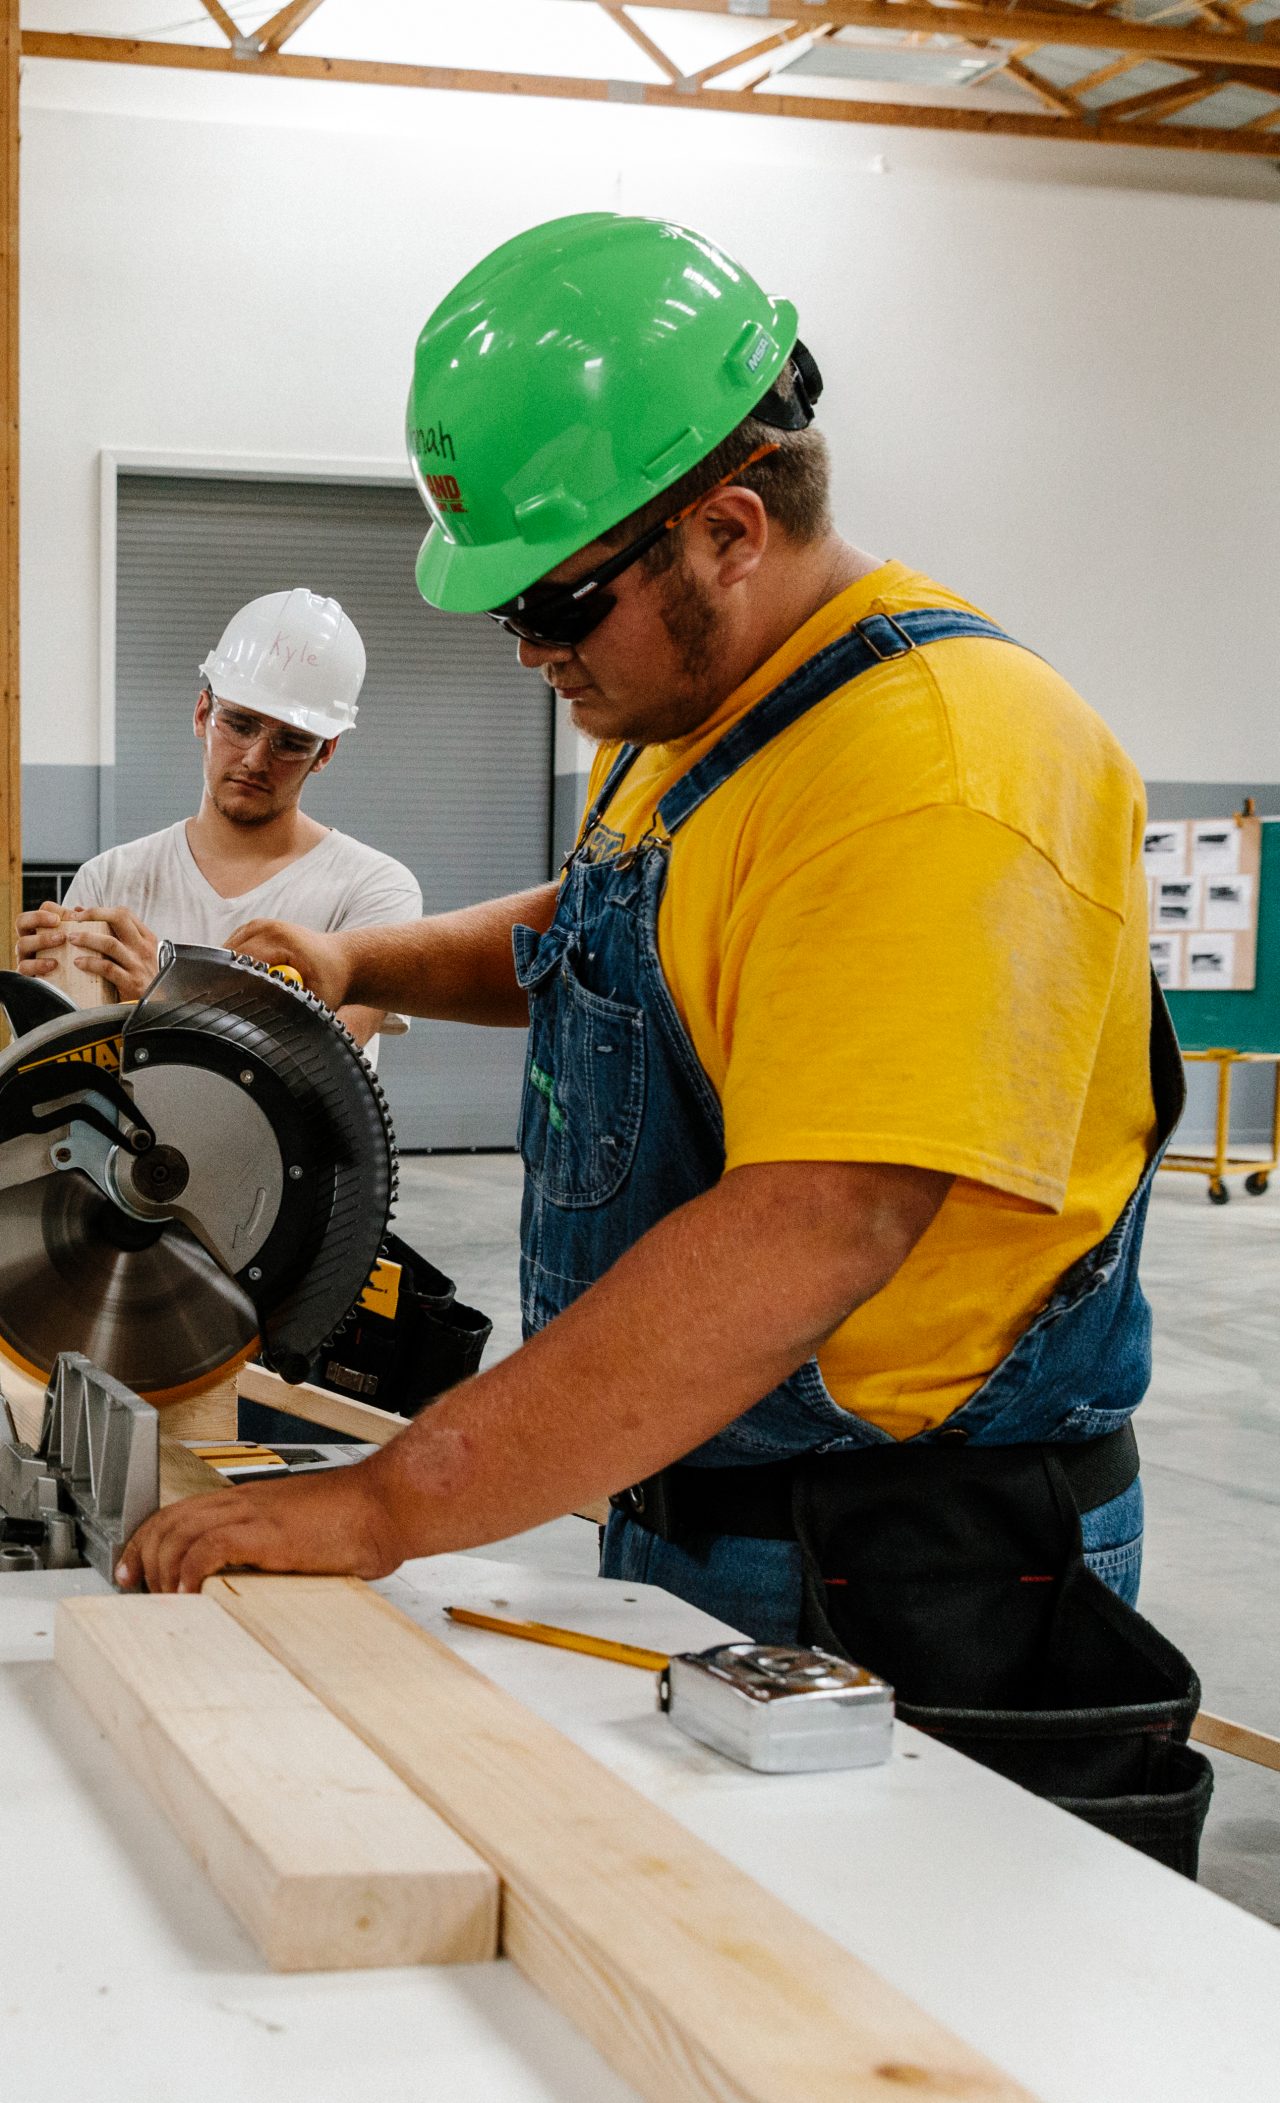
x=1113, y=1542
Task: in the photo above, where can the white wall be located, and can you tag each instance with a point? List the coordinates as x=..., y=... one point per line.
x=1050, y=386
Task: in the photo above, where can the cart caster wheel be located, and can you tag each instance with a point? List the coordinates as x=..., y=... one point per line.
x=1219, y=1194
x=1257, y=1183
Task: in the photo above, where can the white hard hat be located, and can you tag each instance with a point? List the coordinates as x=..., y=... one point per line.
x=293, y=656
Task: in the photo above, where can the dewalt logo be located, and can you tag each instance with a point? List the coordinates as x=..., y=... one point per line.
x=105, y=1052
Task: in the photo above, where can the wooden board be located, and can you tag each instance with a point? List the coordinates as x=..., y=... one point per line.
x=315, y=1405
x=211, y=1415
x=184, y=1474
x=323, y=1854
x=1225, y=1736
x=85, y=991
x=689, y=1977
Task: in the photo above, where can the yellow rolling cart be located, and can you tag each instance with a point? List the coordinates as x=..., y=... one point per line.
x=1230, y=1030
x=1222, y=1161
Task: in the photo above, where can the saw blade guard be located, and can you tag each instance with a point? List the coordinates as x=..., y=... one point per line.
x=185, y=1177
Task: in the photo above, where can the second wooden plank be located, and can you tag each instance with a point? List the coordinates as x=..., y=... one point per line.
x=690, y=1978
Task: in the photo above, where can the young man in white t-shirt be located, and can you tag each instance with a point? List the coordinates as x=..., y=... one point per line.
x=278, y=693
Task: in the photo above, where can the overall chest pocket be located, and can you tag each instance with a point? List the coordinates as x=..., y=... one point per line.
x=584, y=1090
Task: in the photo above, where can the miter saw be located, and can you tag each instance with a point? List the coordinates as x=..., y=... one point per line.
x=185, y=1180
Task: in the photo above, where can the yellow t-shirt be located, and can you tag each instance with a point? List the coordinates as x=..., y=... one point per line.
x=914, y=929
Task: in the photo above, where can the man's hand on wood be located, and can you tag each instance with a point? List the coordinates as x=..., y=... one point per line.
x=40, y=937
x=331, y=1524
x=109, y=942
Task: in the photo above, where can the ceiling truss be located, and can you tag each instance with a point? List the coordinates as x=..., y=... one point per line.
x=1211, y=44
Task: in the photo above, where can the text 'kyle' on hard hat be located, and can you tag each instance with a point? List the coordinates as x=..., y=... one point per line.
x=294, y=656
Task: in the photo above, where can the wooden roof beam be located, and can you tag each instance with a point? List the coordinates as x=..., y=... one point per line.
x=217, y=13
x=1041, y=23
x=806, y=35
x=1163, y=102
x=1093, y=130
x=1105, y=73
x=618, y=15
x=273, y=35
x=783, y=40
x=1026, y=77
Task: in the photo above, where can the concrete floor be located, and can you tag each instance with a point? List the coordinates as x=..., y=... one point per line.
x=1210, y=1434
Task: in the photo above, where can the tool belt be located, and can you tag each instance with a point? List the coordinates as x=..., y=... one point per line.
x=957, y=1572
x=399, y=1351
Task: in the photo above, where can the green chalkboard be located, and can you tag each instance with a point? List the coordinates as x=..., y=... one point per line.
x=1242, y=1021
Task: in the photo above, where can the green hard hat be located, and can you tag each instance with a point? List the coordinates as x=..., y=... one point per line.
x=573, y=374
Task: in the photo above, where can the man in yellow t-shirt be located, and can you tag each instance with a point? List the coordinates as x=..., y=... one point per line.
x=841, y=1103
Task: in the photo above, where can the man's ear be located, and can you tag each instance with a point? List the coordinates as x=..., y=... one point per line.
x=324, y=755
x=204, y=701
x=733, y=527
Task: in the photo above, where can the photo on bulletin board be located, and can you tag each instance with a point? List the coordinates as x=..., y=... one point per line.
x=1204, y=881
x=1177, y=902
x=1166, y=961
x=1164, y=849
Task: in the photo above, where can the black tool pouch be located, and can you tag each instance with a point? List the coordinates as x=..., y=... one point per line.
x=959, y=1576
x=402, y=1360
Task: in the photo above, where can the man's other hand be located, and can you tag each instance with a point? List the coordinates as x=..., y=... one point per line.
x=332, y=1525
x=40, y=937
x=109, y=942
x=320, y=960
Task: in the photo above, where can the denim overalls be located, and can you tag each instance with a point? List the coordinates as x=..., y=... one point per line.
x=620, y=1125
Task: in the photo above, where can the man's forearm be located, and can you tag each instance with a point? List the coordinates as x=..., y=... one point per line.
x=703, y=1316
x=456, y=967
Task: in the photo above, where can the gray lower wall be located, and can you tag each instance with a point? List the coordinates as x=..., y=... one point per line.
x=60, y=812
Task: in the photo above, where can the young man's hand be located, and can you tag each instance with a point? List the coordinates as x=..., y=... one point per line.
x=110, y=943
x=40, y=937
x=320, y=960
x=330, y=1524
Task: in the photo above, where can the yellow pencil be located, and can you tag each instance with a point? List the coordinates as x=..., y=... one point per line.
x=563, y=1639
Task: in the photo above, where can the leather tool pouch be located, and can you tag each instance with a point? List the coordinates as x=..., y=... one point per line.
x=403, y=1359
x=960, y=1577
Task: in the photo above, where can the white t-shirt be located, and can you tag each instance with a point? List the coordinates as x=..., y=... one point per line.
x=338, y=883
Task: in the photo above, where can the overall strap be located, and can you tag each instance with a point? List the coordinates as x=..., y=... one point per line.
x=613, y=780
x=879, y=639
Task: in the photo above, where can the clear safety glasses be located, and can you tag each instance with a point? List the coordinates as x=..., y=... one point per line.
x=242, y=730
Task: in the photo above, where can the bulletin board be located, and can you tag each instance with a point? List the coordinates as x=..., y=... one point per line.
x=1234, y=1016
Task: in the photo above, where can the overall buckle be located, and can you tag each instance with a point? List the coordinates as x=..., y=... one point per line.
x=879, y=622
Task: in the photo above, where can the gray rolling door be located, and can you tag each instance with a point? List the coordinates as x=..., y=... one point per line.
x=448, y=768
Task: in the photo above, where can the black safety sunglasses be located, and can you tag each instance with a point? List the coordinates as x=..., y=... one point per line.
x=552, y=614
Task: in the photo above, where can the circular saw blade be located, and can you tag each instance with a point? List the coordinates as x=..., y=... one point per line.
x=149, y=1303
x=254, y=1212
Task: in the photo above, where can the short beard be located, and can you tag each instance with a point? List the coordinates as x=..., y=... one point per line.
x=249, y=819
x=689, y=617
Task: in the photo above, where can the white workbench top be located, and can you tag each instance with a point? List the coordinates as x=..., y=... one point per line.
x=1088, y=1972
